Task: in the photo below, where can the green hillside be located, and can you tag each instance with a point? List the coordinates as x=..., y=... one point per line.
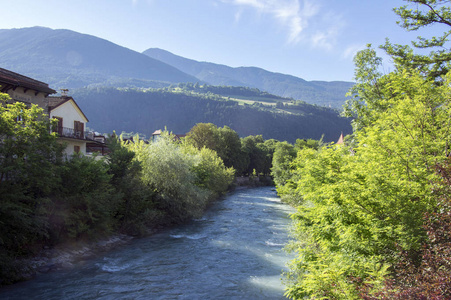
x=179, y=109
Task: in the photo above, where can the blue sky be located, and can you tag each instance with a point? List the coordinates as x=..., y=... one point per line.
x=311, y=39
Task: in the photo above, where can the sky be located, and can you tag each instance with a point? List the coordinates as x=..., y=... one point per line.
x=310, y=39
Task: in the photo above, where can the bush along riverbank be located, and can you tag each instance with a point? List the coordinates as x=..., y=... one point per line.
x=48, y=203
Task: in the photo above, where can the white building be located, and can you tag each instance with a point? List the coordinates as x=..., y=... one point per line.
x=71, y=123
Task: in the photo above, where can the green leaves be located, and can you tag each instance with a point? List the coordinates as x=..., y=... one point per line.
x=359, y=206
x=426, y=13
x=183, y=177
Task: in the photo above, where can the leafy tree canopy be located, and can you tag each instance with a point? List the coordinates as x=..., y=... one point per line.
x=426, y=13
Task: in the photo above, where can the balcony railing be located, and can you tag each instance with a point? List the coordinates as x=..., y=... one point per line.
x=74, y=134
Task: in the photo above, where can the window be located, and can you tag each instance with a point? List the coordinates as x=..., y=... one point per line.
x=59, y=127
x=79, y=129
x=77, y=149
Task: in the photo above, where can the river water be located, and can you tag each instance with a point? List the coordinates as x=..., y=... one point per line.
x=234, y=252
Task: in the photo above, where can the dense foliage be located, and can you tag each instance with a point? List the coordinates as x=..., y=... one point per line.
x=29, y=158
x=184, y=178
x=359, y=207
x=248, y=155
x=372, y=216
x=426, y=273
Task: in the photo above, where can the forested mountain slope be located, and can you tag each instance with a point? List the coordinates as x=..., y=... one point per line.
x=134, y=110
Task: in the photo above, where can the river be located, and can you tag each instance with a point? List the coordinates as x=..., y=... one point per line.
x=234, y=252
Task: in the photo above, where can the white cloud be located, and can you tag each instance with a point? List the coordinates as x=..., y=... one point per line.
x=304, y=20
x=352, y=50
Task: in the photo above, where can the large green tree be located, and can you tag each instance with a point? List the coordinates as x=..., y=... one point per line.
x=360, y=206
x=184, y=178
x=420, y=14
x=224, y=141
x=204, y=135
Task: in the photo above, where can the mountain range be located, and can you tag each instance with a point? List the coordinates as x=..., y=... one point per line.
x=124, y=90
x=315, y=92
x=68, y=59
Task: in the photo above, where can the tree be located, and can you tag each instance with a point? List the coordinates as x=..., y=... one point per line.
x=358, y=209
x=268, y=147
x=29, y=161
x=426, y=13
x=284, y=154
x=229, y=149
x=224, y=141
x=309, y=143
x=27, y=148
x=203, y=135
x=86, y=201
x=426, y=273
x=170, y=171
x=252, y=146
x=136, y=205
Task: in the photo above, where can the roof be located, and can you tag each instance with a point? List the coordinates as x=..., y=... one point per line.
x=340, y=140
x=176, y=136
x=10, y=80
x=55, y=102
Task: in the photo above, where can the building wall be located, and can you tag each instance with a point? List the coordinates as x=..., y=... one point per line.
x=69, y=112
x=29, y=97
x=70, y=146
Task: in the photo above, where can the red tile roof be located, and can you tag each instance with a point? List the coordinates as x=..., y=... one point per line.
x=340, y=140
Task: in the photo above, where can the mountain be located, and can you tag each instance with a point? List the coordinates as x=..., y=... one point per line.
x=316, y=92
x=64, y=58
x=68, y=59
x=94, y=69
x=179, y=110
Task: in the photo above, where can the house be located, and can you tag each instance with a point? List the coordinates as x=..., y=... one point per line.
x=156, y=135
x=71, y=123
x=97, y=145
x=71, y=119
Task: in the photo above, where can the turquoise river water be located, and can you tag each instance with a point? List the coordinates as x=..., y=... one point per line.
x=234, y=252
